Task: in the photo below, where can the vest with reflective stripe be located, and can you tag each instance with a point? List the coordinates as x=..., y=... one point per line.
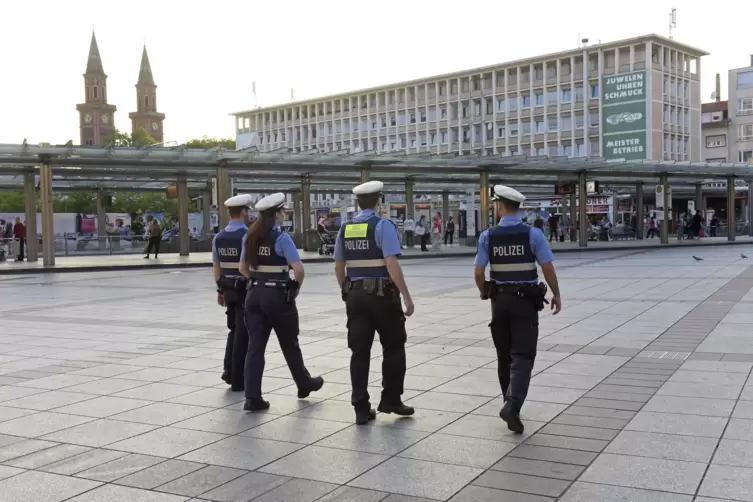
x=271, y=265
x=511, y=258
x=363, y=258
x=229, y=247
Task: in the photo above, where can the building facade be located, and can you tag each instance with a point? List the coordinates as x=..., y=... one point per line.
x=741, y=112
x=146, y=115
x=96, y=116
x=634, y=98
x=715, y=124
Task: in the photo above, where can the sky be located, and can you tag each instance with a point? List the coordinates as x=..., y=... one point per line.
x=206, y=55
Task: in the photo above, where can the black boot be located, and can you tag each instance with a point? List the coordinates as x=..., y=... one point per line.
x=365, y=416
x=226, y=376
x=511, y=415
x=397, y=409
x=255, y=405
x=314, y=385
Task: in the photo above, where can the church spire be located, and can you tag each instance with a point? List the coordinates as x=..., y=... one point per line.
x=94, y=63
x=145, y=71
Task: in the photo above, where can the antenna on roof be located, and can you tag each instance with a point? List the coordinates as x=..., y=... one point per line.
x=672, y=21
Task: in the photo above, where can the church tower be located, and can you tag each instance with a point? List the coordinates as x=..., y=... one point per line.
x=146, y=115
x=95, y=115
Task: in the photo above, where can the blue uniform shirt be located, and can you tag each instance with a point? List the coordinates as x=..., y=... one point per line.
x=231, y=227
x=539, y=245
x=386, y=236
x=284, y=246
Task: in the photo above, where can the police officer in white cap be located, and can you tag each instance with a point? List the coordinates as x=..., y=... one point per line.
x=372, y=283
x=512, y=249
x=231, y=287
x=268, y=256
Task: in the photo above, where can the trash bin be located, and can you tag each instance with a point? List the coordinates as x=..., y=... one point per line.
x=312, y=241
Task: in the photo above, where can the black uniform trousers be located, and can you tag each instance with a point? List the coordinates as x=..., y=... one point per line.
x=267, y=310
x=237, y=341
x=369, y=313
x=515, y=332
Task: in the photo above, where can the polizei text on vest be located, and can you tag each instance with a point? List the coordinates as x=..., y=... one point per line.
x=509, y=250
x=356, y=244
x=227, y=251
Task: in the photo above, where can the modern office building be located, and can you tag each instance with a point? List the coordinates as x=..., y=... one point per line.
x=637, y=98
x=741, y=112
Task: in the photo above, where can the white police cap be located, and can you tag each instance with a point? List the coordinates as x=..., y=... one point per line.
x=242, y=200
x=368, y=187
x=505, y=192
x=276, y=200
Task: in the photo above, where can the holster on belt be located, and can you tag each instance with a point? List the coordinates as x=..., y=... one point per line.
x=345, y=289
x=232, y=288
x=292, y=288
x=378, y=287
x=489, y=291
x=533, y=292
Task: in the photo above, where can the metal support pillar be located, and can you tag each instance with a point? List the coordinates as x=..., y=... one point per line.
x=101, y=220
x=297, y=220
x=445, y=207
x=483, y=207
x=410, y=205
x=365, y=174
x=750, y=208
x=731, y=208
x=699, y=204
x=306, y=211
x=665, y=222
x=573, y=215
x=184, y=237
x=30, y=215
x=48, y=230
x=639, y=216
x=224, y=192
x=206, y=207
x=582, y=221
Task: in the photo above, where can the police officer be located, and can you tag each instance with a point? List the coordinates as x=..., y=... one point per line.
x=370, y=277
x=231, y=287
x=267, y=257
x=512, y=249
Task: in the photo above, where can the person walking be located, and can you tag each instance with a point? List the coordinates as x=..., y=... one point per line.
x=512, y=250
x=449, y=232
x=372, y=284
x=410, y=227
x=19, y=234
x=422, y=232
x=154, y=234
x=267, y=257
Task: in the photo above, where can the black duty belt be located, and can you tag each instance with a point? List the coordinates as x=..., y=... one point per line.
x=270, y=283
x=518, y=288
x=380, y=285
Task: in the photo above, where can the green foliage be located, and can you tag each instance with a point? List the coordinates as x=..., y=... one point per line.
x=207, y=142
x=12, y=201
x=139, y=138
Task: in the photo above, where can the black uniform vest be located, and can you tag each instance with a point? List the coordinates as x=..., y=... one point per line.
x=363, y=258
x=271, y=265
x=511, y=258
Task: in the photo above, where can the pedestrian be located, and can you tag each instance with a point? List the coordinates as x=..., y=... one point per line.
x=410, y=227
x=449, y=232
x=19, y=233
x=372, y=283
x=695, y=224
x=422, y=232
x=227, y=247
x=154, y=234
x=267, y=257
x=512, y=250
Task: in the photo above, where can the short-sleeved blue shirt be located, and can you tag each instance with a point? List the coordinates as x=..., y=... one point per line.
x=284, y=246
x=539, y=245
x=231, y=227
x=386, y=236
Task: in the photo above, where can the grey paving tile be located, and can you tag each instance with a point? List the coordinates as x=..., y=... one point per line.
x=99, y=433
x=83, y=461
x=532, y=410
x=350, y=494
x=589, y=492
x=484, y=427
x=7, y=413
x=551, y=454
x=48, y=400
x=735, y=453
x=201, y=481
x=608, y=403
x=673, y=423
x=159, y=474
x=646, y=473
x=572, y=443
x=372, y=439
x=577, y=431
x=328, y=465
x=743, y=409
x=247, y=487
x=447, y=402
x=423, y=420
x=473, y=493
x=167, y=442
x=47, y=456
x=728, y=482
x=301, y=490
x=739, y=428
x=295, y=430
x=101, y=407
x=15, y=447
x=119, y=467
x=602, y=423
x=458, y=450
x=535, y=485
x=114, y=493
x=691, y=406
x=665, y=446
x=539, y=468
x=417, y=478
x=44, y=422
x=225, y=421
x=161, y=413
x=42, y=487
x=588, y=411
x=241, y=452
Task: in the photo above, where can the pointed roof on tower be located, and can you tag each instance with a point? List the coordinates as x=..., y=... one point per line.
x=94, y=63
x=145, y=71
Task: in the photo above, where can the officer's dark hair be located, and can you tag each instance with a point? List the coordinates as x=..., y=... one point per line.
x=259, y=231
x=235, y=212
x=510, y=205
x=369, y=200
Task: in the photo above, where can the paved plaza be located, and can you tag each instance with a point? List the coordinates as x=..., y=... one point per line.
x=110, y=391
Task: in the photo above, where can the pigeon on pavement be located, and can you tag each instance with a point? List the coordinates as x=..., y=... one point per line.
x=743, y=256
x=697, y=259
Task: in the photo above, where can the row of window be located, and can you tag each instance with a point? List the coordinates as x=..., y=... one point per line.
x=745, y=132
x=676, y=88
x=744, y=79
x=743, y=156
x=745, y=106
x=674, y=115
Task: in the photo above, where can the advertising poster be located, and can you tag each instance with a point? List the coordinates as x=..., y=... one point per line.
x=624, y=116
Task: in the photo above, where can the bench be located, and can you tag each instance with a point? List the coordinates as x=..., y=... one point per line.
x=623, y=233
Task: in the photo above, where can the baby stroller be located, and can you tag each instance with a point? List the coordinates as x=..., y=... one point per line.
x=328, y=242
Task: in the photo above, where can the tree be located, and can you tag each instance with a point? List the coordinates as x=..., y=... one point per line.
x=139, y=138
x=206, y=142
